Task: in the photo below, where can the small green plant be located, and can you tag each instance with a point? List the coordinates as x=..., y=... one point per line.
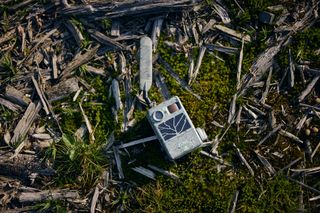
x=106, y=23
x=5, y=20
x=122, y=201
x=51, y=206
x=76, y=161
x=7, y=64
x=82, y=70
x=86, y=41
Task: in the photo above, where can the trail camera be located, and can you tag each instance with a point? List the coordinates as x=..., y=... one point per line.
x=174, y=128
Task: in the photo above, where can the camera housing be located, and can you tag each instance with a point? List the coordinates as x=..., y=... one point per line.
x=174, y=129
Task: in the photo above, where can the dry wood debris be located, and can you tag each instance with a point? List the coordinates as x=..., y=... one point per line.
x=48, y=49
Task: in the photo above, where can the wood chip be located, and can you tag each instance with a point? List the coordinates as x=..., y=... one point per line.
x=16, y=96
x=25, y=122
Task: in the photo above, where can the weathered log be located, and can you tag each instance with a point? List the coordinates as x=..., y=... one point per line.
x=128, y=8
x=47, y=194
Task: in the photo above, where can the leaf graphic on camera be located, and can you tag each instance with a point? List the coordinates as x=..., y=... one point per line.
x=174, y=126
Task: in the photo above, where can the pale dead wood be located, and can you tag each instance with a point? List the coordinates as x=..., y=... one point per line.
x=266, y=90
x=77, y=35
x=156, y=32
x=223, y=14
x=96, y=71
x=233, y=33
x=16, y=96
x=25, y=122
x=234, y=201
x=199, y=62
x=232, y=110
x=308, y=89
x=290, y=135
x=164, y=172
x=40, y=94
x=291, y=70
x=57, y=194
x=54, y=66
x=94, y=200
x=118, y=162
x=265, y=163
x=7, y=36
x=88, y=124
x=145, y=172
x=239, y=67
x=100, y=37
x=13, y=107
x=39, y=42
x=21, y=4
x=244, y=161
x=128, y=8
x=22, y=35
x=77, y=61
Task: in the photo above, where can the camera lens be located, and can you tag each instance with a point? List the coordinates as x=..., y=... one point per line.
x=158, y=115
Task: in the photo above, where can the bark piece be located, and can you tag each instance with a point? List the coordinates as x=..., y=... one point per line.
x=63, y=89
x=16, y=96
x=77, y=61
x=94, y=200
x=145, y=172
x=77, y=35
x=48, y=194
x=233, y=33
x=25, y=123
x=308, y=89
x=13, y=107
x=100, y=37
x=243, y=160
x=8, y=36
x=22, y=166
x=54, y=66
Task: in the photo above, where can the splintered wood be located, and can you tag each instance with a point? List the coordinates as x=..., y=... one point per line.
x=25, y=123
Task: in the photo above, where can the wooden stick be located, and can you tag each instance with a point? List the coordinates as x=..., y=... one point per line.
x=47, y=194
x=44, y=105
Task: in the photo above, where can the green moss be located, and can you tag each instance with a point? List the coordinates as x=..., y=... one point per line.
x=201, y=188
